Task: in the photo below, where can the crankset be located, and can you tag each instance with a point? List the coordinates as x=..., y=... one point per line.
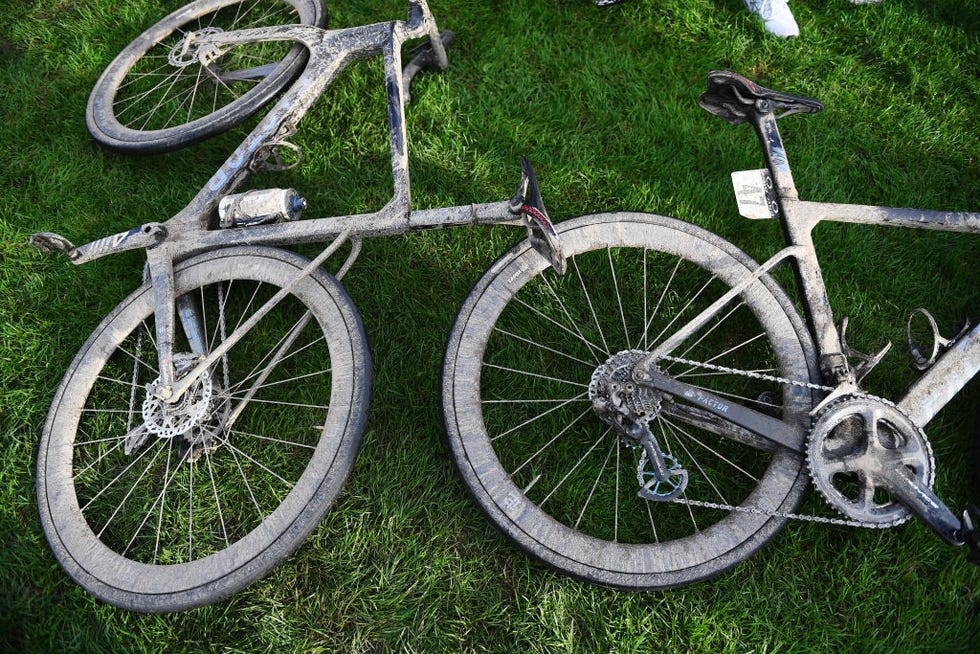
x=873, y=464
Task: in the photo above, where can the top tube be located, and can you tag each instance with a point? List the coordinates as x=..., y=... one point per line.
x=801, y=216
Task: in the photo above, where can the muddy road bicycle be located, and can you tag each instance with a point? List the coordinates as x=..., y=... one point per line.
x=630, y=398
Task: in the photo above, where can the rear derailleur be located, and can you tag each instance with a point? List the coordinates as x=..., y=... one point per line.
x=628, y=407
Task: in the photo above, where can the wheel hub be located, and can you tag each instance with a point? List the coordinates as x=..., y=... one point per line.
x=187, y=52
x=197, y=418
x=616, y=398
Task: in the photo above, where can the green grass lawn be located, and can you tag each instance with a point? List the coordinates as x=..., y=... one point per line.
x=603, y=102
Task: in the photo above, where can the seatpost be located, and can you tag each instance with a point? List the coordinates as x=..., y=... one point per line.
x=764, y=122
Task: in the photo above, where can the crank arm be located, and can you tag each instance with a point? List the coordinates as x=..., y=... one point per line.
x=771, y=429
x=918, y=498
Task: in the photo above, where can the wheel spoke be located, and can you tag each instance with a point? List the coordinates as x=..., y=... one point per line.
x=146, y=469
x=593, y=348
x=595, y=484
x=663, y=294
x=542, y=414
x=535, y=375
x=588, y=300
x=619, y=297
x=273, y=440
x=572, y=470
x=550, y=442
x=217, y=500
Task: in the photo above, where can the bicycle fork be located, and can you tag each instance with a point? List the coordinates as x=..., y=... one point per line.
x=168, y=309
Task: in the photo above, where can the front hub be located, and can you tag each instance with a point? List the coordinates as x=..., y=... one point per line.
x=197, y=419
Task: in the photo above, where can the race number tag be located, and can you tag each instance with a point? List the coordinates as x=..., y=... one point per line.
x=755, y=194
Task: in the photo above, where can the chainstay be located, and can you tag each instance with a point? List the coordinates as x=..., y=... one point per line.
x=843, y=522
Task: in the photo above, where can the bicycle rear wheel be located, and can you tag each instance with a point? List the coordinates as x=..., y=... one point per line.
x=156, y=95
x=161, y=507
x=520, y=374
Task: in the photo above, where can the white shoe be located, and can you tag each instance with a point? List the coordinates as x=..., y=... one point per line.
x=776, y=15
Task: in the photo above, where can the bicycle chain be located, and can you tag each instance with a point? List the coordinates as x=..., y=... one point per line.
x=843, y=522
x=747, y=373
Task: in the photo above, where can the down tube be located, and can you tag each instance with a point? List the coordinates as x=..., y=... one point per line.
x=930, y=393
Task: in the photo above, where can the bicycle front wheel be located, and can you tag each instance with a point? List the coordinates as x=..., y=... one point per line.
x=156, y=506
x=520, y=381
x=158, y=94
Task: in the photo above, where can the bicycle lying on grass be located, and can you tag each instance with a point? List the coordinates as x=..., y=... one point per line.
x=629, y=397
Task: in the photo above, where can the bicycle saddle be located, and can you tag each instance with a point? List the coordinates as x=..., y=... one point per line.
x=731, y=97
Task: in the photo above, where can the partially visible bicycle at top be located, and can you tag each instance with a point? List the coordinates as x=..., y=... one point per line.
x=629, y=397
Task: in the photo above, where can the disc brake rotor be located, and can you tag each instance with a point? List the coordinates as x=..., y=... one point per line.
x=186, y=51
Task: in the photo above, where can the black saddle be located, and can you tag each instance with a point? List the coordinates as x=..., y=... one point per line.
x=732, y=97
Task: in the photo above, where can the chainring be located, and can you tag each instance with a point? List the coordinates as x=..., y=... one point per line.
x=852, y=446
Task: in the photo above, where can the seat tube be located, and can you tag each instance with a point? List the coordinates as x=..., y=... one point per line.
x=775, y=154
x=798, y=226
x=402, y=199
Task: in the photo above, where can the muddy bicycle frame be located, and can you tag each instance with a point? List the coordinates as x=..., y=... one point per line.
x=798, y=218
x=194, y=229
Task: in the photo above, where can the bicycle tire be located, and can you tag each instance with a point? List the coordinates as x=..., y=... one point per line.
x=155, y=510
x=155, y=98
x=561, y=483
